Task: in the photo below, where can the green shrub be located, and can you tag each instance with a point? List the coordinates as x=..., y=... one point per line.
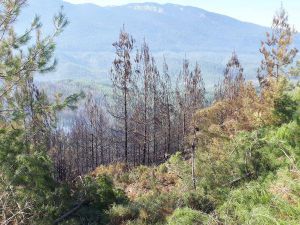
x=118, y=214
x=163, y=168
x=98, y=195
x=274, y=200
x=285, y=108
x=154, y=208
x=187, y=216
x=198, y=201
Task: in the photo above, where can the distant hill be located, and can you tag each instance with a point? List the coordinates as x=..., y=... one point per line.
x=85, y=48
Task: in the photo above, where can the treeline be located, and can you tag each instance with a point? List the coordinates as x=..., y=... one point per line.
x=146, y=118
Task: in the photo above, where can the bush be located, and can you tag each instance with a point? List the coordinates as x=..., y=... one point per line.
x=285, y=108
x=26, y=184
x=154, y=208
x=198, y=201
x=98, y=195
x=187, y=216
x=119, y=214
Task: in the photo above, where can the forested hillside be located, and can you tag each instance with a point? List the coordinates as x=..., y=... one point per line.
x=152, y=150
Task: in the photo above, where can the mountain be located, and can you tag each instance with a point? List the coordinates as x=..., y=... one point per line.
x=85, y=48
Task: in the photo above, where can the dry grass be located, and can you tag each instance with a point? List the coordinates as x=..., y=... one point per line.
x=140, y=181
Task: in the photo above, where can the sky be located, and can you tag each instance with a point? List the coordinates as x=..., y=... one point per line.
x=255, y=11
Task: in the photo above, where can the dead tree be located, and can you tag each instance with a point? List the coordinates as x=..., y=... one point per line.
x=121, y=73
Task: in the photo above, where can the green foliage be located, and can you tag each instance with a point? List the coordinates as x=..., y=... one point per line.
x=187, y=216
x=97, y=195
x=250, y=168
x=69, y=102
x=177, y=165
x=20, y=166
x=197, y=201
x=285, y=108
x=274, y=200
x=28, y=192
x=119, y=214
x=154, y=208
x=26, y=179
x=253, y=153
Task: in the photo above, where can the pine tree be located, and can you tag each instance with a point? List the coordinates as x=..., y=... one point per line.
x=26, y=115
x=233, y=80
x=144, y=76
x=167, y=107
x=122, y=74
x=277, y=50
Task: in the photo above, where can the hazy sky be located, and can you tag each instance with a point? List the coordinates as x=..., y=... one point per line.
x=255, y=11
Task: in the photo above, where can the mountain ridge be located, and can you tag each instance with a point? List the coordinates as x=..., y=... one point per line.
x=85, y=49
x=128, y=15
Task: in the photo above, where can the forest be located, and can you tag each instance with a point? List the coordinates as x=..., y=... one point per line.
x=156, y=148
